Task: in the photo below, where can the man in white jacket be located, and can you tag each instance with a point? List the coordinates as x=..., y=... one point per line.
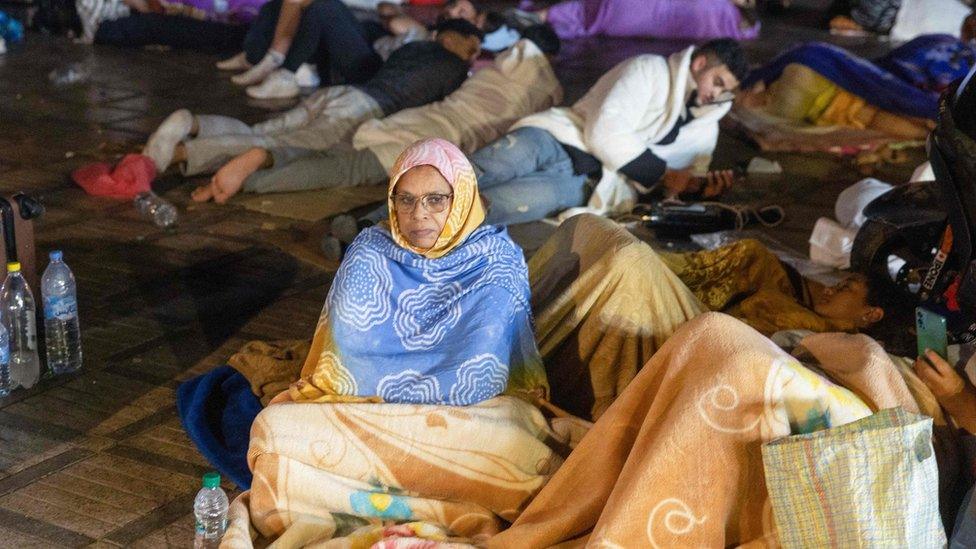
x=651, y=121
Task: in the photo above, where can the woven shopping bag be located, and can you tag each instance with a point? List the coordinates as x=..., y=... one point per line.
x=870, y=483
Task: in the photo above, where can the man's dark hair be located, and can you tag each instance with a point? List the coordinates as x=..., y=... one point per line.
x=544, y=37
x=477, y=5
x=728, y=52
x=460, y=26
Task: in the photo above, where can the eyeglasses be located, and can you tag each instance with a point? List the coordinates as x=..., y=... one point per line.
x=433, y=202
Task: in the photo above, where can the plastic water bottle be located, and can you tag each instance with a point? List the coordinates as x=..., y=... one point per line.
x=210, y=510
x=62, y=333
x=156, y=208
x=17, y=303
x=7, y=383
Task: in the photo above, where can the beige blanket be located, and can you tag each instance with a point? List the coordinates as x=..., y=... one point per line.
x=676, y=460
x=604, y=302
x=327, y=470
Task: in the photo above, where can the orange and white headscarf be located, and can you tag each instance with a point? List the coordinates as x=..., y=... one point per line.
x=467, y=211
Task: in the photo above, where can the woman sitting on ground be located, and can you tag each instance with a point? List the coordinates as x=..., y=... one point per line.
x=421, y=376
x=431, y=308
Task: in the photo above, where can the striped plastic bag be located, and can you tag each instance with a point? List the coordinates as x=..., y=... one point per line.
x=870, y=483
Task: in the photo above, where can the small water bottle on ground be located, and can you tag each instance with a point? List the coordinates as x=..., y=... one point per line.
x=210, y=509
x=62, y=333
x=7, y=383
x=157, y=209
x=17, y=304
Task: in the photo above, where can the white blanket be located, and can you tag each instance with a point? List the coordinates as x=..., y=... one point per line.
x=918, y=17
x=627, y=111
x=520, y=82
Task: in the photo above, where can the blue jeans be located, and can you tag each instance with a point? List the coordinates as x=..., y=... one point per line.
x=526, y=176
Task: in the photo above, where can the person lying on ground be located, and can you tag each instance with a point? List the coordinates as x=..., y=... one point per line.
x=647, y=120
x=824, y=85
x=900, y=20
x=502, y=28
x=289, y=35
x=519, y=82
x=209, y=27
x=417, y=74
x=675, y=19
x=641, y=126
x=604, y=302
x=749, y=282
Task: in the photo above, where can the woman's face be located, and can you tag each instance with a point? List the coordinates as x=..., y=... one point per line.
x=419, y=194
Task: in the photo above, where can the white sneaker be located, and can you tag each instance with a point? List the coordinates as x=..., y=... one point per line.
x=281, y=84
x=258, y=73
x=307, y=76
x=236, y=63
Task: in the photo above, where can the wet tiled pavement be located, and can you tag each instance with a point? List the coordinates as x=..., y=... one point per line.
x=99, y=458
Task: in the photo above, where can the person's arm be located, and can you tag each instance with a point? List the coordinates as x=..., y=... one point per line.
x=954, y=393
x=647, y=169
x=610, y=131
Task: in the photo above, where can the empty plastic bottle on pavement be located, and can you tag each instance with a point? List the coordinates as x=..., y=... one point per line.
x=210, y=510
x=157, y=209
x=62, y=332
x=17, y=304
x=7, y=383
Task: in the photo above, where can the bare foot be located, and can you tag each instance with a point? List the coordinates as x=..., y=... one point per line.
x=843, y=24
x=229, y=179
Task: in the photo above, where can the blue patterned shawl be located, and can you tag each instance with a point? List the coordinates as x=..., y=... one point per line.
x=399, y=327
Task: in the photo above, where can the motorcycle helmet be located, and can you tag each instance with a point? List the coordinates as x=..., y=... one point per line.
x=950, y=283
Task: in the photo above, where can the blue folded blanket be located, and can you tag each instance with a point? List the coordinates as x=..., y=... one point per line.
x=217, y=410
x=907, y=81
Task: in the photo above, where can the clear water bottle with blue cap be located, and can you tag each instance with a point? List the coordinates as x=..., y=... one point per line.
x=62, y=331
x=210, y=509
x=17, y=312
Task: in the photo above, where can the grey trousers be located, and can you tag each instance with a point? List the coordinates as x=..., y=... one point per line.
x=298, y=169
x=328, y=117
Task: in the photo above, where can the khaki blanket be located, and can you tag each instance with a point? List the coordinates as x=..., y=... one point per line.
x=604, y=303
x=327, y=470
x=676, y=460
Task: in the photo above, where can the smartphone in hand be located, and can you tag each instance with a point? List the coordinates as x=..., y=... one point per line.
x=930, y=329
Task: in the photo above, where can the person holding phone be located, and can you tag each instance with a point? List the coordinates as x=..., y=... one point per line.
x=957, y=396
x=955, y=393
